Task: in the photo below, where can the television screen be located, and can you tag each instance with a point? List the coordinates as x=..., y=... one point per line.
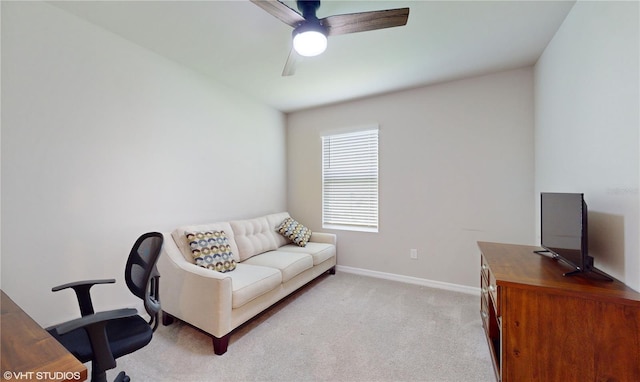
x=563, y=226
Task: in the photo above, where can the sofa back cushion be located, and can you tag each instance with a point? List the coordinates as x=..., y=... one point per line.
x=182, y=242
x=253, y=237
x=274, y=222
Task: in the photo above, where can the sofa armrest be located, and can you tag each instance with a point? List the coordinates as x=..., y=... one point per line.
x=324, y=237
x=196, y=295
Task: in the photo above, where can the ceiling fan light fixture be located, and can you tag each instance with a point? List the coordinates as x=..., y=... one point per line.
x=310, y=39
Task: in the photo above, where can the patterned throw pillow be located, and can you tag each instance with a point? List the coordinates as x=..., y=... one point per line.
x=294, y=231
x=211, y=250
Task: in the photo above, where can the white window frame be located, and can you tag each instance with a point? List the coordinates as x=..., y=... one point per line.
x=350, y=179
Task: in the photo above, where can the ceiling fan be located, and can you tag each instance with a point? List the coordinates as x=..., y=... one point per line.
x=310, y=33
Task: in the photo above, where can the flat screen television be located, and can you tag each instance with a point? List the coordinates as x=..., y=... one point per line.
x=564, y=230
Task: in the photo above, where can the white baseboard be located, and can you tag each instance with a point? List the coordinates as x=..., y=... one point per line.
x=410, y=280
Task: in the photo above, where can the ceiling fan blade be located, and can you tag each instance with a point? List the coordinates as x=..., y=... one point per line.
x=290, y=65
x=365, y=21
x=281, y=11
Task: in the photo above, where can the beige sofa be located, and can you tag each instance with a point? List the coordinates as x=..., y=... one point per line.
x=268, y=268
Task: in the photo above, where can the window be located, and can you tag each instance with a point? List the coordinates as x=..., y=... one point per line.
x=350, y=181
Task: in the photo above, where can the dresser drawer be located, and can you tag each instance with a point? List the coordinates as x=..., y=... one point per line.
x=489, y=287
x=484, y=312
x=484, y=267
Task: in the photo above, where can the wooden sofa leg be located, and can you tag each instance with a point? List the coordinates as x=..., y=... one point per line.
x=332, y=271
x=220, y=344
x=167, y=319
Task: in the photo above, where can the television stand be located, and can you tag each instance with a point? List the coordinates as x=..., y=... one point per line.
x=589, y=272
x=543, y=252
x=573, y=273
x=577, y=271
x=541, y=326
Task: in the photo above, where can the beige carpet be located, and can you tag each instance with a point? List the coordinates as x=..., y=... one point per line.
x=343, y=327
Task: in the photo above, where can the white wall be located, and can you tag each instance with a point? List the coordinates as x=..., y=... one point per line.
x=456, y=166
x=587, y=126
x=103, y=141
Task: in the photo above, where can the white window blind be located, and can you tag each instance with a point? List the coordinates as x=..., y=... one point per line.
x=350, y=181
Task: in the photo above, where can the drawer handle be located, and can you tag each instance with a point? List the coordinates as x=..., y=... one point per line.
x=492, y=288
x=484, y=314
x=484, y=267
x=484, y=290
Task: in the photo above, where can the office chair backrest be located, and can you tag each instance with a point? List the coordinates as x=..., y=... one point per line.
x=141, y=274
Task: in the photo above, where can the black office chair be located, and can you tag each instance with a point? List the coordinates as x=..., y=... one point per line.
x=102, y=337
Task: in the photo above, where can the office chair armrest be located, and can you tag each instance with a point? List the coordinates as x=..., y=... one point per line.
x=82, y=283
x=94, y=319
x=82, y=293
x=95, y=325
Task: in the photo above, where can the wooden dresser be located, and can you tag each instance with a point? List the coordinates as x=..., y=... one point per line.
x=542, y=326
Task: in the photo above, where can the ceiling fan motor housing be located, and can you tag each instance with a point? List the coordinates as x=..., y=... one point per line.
x=308, y=8
x=310, y=26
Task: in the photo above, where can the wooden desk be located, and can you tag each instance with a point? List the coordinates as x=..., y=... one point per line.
x=542, y=326
x=30, y=353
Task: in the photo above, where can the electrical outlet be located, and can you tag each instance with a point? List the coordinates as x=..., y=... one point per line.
x=413, y=254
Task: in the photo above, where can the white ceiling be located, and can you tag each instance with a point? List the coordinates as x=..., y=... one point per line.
x=239, y=44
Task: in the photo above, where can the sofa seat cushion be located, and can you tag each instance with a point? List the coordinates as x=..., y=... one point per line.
x=319, y=251
x=251, y=281
x=289, y=263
